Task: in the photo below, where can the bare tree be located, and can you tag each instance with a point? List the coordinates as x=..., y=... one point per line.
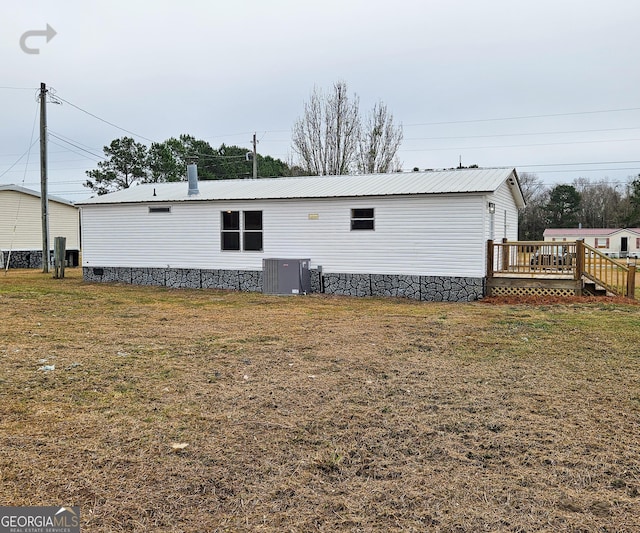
x=600, y=203
x=326, y=137
x=379, y=142
x=531, y=219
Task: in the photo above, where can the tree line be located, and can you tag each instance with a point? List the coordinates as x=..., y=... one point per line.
x=128, y=162
x=330, y=138
x=585, y=203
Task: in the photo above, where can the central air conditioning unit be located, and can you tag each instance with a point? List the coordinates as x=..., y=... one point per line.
x=286, y=276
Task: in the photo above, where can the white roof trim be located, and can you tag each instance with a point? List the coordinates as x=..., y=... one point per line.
x=30, y=192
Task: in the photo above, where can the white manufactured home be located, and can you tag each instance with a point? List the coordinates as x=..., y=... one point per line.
x=21, y=227
x=614, y=242
x=421, y=235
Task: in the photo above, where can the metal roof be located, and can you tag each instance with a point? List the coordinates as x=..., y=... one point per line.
x=30, y=192
x=400, y=183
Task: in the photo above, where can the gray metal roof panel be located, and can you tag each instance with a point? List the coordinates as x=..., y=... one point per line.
x=401, y=183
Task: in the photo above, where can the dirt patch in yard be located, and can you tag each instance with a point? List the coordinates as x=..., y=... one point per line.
x=182, y=410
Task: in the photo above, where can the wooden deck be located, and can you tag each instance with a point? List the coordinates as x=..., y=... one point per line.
x=555, y=268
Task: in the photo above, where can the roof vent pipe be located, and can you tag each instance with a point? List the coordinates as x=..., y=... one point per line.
x=192, y=177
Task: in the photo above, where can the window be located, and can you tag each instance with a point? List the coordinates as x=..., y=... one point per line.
x=251, y=230
x=230, y=230
x=602, y=242
x=362, y=219
x=165, y=209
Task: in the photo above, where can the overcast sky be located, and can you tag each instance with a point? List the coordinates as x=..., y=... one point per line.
x=547, y=86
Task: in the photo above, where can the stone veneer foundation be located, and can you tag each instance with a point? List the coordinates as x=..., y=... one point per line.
x=424, y=288
x=33, y=258
x=22, y=259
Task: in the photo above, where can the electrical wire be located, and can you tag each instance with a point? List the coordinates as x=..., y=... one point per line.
x=523, y=117
x=105, y=121
x=20, y=158
x=513, y=145
x=74, y=145
x=518, y=134
x=635, y=169
x=28, y=151
x=581, y=163
x=66, y=137
x=33, y=131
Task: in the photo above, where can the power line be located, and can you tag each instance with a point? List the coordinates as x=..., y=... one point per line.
x=573, y=170
x=581, y=163
x=74, y=145
x=264, y=132
x=75, y=141
x=513, y=145
x=105, y=121
x=523, y=117
x=20, y=158
x=517, y=134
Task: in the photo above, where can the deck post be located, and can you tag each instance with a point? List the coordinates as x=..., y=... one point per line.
x=579, y=267
x=489, y=258
x=631, y=282
x=505, y=255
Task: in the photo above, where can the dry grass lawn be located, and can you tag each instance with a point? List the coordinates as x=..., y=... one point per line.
x=203, y=411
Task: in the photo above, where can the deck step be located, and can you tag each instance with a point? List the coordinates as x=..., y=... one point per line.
x=593, y=290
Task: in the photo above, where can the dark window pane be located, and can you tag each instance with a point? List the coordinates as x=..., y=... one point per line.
x=253, y=240
x=230, y=240
x=362, y=213
x=231, y=220
x=253, y=220
x=362, y=224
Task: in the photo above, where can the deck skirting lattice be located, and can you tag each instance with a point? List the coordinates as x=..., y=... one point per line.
x=531, y=291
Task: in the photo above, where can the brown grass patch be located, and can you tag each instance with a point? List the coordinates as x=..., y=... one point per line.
x=316, y=413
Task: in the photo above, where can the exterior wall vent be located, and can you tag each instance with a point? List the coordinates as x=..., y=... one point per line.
x=286, y=276
x=161, y=209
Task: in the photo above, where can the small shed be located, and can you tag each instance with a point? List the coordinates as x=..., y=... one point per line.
x=421, y=235
x=21, y=227
x=614, y=242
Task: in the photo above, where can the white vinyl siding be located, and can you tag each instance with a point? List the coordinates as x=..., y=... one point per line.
x=438, y=235
x=505, y=204
x=21, y=222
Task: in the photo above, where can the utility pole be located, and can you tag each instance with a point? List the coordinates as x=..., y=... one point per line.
x=44, y=200
x=255, y=157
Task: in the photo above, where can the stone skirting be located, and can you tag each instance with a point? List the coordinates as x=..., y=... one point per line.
x=22, y=259
x=424, y=288
x=177, y=278
x=33, y=258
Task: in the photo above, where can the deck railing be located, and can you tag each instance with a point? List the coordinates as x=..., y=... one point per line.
x=560, y=260
x=612, y=275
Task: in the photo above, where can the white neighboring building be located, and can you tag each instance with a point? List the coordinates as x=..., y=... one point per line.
x=421, y=234
x=614, y=242
x=21, y=227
